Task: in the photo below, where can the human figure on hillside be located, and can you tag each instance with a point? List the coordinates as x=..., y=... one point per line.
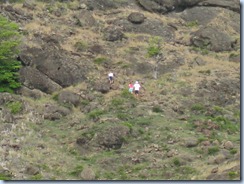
x=111, y=77
x=131, y=86
x=137, y=87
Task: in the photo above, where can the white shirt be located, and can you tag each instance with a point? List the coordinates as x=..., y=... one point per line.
x=110, y=74
x=137, y=86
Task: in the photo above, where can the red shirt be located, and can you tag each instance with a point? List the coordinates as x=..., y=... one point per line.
x=130, y=85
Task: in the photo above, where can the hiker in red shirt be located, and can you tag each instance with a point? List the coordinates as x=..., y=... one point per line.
x=131, y=86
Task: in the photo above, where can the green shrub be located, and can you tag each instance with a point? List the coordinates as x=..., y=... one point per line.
x=95, y=114
x=81, y=46
x=202, y=50
x=85, y=102
x=197, y=107
x=201, y=139
x=9, y=66
x=218, y=109
x=129, y=125
x=14, y=107
x=154, y=47
x=117, y=102
x=233, y=174
x=226, y=124
x=122, y=116
x=55, y=97
x=4, y=177
x=176, y=161
x=157, y=109
x=77, y=170
x=100, y=60
x=233, y=151
x=36, y=177
x=192, y=23
x=126, y=94
x=213, y=150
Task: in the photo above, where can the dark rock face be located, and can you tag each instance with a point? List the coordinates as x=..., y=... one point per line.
x=136, y=18
x=60, y=68
x=202, y=15
x=52, y=68
x=17, y=15
x=165, y=6
x=213, y=39
x=233, y=5
x=34, y=79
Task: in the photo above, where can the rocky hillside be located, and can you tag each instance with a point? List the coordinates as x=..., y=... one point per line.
x=67, y=123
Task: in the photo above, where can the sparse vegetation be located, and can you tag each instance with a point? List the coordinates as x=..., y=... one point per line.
x=81, y=46
x=213, y=150
x=178, y=128
x=95, y=114
x=192, y=23
x=154, y=47
x=157, y=109
x=14, y=107
x=100, y=60
x=197, y=107
x=77, y=170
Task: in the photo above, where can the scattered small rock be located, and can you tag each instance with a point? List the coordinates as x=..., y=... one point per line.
x=31, y=170
x=88, y=174
x=191, y=143
x=136, y=18
x=228, y=145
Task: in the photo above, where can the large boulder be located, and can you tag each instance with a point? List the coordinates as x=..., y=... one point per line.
x=136, y=18
x=69, y=98
x=54, y=63
x=233, y=5
x=102, y=87
x=112, y=137
x=113, y=33
x=202, y=15
x=34, y=79
x=85, y=18
x=165, y=6
x=213, y=39
x=54, y=112
x=212, y=15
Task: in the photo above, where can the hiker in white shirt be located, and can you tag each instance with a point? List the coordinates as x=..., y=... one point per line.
x=137, y=87
x=110, y=77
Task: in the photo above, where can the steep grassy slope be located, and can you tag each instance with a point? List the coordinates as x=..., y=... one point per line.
x=185, y=125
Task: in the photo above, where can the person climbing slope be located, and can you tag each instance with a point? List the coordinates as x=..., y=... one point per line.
x=111, y=77
x=137, y=87
x=131, y=86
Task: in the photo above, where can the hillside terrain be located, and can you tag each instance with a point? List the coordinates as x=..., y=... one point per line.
x=67, y=122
